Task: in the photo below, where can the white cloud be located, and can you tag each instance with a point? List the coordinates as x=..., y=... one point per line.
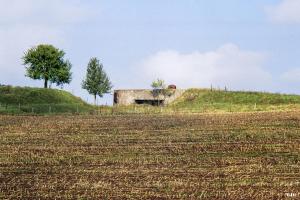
x=26, y=23
x=287, y=11
x=54, y=12
x=227, y=66
x=292, y=75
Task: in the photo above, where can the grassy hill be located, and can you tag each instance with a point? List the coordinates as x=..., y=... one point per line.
x=240, y=101
x=44, y=101
x=39, y=100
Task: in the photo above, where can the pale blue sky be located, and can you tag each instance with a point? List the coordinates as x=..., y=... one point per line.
x=244, y=45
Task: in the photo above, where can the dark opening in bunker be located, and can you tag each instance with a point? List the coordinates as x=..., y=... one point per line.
x=149, y=102
x=116, y=98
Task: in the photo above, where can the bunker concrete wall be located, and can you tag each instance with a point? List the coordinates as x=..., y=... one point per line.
x=129, y=97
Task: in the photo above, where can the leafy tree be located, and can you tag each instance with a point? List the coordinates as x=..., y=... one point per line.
x=96, y=82
x=45, y=62
x=158, y=84
x=159, y=88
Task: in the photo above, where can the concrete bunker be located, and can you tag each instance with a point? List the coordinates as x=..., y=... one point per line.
x=144, y=97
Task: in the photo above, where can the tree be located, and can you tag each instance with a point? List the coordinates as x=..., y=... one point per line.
x=159, y=88
x=158, y=84
x=96, y=82
x=45, y=62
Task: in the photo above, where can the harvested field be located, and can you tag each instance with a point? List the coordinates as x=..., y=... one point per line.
x=224, y=156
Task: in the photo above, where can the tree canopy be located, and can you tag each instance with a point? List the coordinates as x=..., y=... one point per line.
x=96, y=81
x=158, y=84
x=45, y=62
x=159, y=88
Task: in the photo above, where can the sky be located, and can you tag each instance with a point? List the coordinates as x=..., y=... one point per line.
x=237, y=44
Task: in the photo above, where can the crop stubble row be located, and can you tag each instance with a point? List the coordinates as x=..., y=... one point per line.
x=223, y=156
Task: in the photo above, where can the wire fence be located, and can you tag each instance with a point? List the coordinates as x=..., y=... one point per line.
x=44, y=108
x=136, y=109
x=203, y=108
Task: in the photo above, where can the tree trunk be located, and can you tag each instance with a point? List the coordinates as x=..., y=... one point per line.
x=95, y=96
x=46, y=83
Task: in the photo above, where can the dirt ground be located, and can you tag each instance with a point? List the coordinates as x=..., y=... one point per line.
x=221, y=156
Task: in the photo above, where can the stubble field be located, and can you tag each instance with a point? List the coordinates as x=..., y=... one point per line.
x=217, y=156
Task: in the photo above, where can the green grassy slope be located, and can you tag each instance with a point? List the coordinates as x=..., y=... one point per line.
x=38, y=100
x=43, y=101
x=207, y=100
